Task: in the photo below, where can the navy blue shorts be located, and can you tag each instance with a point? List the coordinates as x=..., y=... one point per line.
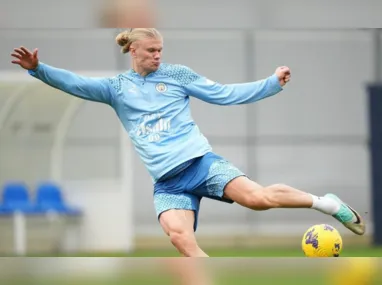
x=204, y=176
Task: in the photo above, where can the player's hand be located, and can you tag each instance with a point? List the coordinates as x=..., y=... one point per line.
x=25, y=58
x=283, y=73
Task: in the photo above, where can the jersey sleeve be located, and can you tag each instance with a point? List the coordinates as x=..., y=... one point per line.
x=229, y=94
x=88, y=88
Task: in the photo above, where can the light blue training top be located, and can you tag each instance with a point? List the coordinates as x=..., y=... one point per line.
x=155, y=109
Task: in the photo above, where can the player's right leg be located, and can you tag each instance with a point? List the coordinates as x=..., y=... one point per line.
x=179, y=226
x=178, y=216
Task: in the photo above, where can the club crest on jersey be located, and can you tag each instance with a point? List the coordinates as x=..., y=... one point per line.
x=161, y=87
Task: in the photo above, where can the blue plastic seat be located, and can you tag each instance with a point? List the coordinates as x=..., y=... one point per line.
x=49, y=197
x=4, y=211
x=16, y=198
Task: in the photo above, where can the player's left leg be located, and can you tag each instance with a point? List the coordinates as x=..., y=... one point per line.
x=256, y=197
x=224, y=182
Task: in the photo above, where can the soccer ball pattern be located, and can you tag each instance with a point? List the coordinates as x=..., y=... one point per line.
x=322, y=241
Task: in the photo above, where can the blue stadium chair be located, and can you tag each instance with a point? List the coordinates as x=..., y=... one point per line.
x=49, y=197
x=4, y=211
x=16, y=198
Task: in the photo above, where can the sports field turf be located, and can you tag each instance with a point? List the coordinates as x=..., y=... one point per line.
x=235, y=266
x=224, y=279
x=231, y=270
x=354, y=251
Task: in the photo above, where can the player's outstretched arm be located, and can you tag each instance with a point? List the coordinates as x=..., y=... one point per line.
x=240, y=93
x=93, y=89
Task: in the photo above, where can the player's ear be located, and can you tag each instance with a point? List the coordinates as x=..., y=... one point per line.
x=133, y=52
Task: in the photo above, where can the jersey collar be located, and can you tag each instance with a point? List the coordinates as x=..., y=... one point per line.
x=133, y=73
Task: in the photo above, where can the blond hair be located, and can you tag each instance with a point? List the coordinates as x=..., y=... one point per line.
x=126, y=38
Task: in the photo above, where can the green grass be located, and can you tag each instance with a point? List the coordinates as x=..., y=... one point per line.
x=363, y=251
x=262, y=252
x=279, y=276
x=261, y=270
x=223, y=280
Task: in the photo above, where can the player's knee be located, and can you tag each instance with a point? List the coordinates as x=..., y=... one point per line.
x=258, y=200
x=273, y=192
x=267, y=197
x=178, y=238
x=279, y=187
x=180, y=231
x=182, y=240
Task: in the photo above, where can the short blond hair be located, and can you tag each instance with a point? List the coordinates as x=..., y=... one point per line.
x=126, y=38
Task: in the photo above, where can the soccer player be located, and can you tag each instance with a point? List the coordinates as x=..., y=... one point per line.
x=152, y=101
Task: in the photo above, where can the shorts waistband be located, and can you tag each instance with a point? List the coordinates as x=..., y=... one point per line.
x=173, y=172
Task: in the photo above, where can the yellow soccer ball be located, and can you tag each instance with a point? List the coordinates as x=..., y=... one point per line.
x=322, y=241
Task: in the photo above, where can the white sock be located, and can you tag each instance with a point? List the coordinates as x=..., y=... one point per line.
x=325, y=205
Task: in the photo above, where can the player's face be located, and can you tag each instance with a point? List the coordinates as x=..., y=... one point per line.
x=148, y=54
